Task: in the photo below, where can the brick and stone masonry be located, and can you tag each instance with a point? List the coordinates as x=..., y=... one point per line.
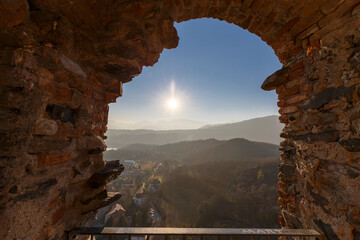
x=63, y=62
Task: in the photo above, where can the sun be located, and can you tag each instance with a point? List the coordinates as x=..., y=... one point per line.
x=172, y=104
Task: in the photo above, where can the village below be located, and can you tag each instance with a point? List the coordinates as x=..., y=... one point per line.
x=175, y=185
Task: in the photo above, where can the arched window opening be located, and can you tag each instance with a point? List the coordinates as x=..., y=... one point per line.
x=197, y=135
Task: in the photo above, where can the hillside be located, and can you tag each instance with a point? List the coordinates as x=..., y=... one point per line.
x=197, y=151
x=205, y=183
x=221, y=194
x=265, y=129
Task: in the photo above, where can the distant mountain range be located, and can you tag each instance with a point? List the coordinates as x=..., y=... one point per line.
x=199, y=151
x=264, y=129
x=174, y=124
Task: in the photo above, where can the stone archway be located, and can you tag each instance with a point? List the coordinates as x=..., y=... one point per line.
x=63, y=62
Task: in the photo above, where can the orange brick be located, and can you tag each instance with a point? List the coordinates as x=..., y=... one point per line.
x=306, y=88
x=313, y=47
x=46, y=160
x=281, y=185
x=289, y=92
x=280, y=89
x=282, y=202
x=296, y=82
x=297, y=74
x=296, y=99
x=283, y=119
x=89, y=91
x=98, y=117
x=59, y=92
x=58, y=214
x=281, y=103
x=54, y=202
x=98, y=96
x=288, y=109
x=295, y=51
x=281, y=221
x=297, y=66
x=94, y=81
x=111, y=97
x=286, y=28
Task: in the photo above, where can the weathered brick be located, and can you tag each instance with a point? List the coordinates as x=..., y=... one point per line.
x=281, y=103
x=306, y=22
x=282, y=202
x=288, y=109
x=306, y=88
x=289, y=92
x=58, y=214
x=280, y=89
x=307, y=32
x=89, y=91
x=98, y=96
x=296, y=74
x=94, y=81
x=286, y=27
x=330, y=6
x=313, y=47
x=111, y=97
x=296, y=99
x=337, y=11
x=295, y=82
x=295, y=50
x=59, y=92
x=46, y=160
x=283, y=119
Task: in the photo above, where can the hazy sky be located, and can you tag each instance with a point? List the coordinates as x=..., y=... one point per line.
x=216, y=73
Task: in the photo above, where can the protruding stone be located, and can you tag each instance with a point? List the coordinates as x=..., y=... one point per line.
x=111, y=171
x=276, y=79
x=111, y=198
x=94, y=144
x=45, y=126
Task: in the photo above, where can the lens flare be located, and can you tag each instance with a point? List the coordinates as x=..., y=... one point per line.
x=172, y=104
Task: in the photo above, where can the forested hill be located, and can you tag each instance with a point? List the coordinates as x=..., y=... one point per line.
x=197, y=151
x=264, y=129
x=221, y=194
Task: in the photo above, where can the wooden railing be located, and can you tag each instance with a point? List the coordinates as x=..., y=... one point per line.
x=200, y=233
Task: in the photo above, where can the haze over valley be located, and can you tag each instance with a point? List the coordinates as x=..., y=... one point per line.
x=221, y=175
x=264, y=129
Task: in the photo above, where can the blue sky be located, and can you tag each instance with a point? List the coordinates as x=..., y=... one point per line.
x=216, y=70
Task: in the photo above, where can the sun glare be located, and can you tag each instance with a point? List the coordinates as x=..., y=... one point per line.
x=172, y=104
x=173, y=100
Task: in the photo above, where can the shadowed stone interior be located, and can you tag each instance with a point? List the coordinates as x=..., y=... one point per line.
x=63, y=62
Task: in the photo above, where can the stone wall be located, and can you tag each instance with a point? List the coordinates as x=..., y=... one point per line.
x=62, y=62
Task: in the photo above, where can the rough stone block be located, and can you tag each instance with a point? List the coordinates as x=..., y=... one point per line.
x=296, y=82
x=58, y=214
x=58, y=92
x=45, y=127
x=288, y=109
x=289, y=92
x=296, y=99
x=44, y=144
x=47, y=160
x=324, y=97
